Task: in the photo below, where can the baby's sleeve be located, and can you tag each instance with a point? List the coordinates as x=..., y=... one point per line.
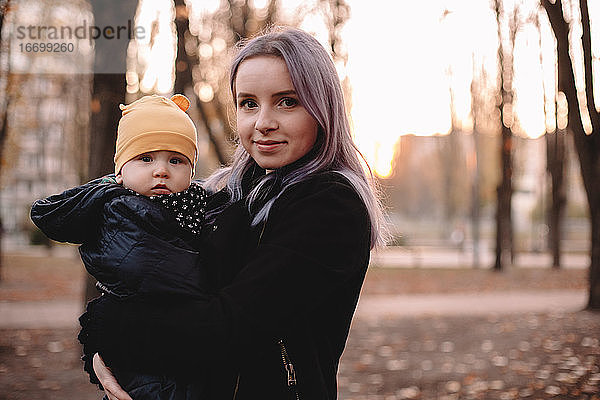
x=69, y=216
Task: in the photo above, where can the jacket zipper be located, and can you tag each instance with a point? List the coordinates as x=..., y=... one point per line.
x=289, y=369
x=237, y=385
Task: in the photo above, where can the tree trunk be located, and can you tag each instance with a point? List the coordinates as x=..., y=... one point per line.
x=587, y=145
x=477, y=109
x=4, y=4
x=3, y=129
x=108, y=91
x=504, y=200
x=238, y=18
x=475, y=207
x=183, y=75
x=449, y=150
x=594, y=190
x=594, y=297
x=556, y=158
x=504, y=234
x=556, y=155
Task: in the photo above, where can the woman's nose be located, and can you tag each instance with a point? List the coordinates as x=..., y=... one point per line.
x=265, y=122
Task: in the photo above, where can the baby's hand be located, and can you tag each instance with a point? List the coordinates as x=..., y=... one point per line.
x=111, y=179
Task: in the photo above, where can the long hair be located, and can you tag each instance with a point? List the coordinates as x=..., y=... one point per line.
x=318, y=87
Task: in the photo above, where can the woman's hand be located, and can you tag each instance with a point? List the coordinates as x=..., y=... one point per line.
x=108, y=380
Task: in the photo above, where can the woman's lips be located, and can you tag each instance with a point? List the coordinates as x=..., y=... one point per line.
x=267, y=146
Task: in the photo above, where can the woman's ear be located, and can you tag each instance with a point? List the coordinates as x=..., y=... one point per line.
x=119, y=178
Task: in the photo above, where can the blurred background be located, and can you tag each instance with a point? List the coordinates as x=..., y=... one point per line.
x=478, y=119
x=455, y=105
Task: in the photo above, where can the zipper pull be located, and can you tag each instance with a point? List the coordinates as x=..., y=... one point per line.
x=287, y=364
x=291, y=374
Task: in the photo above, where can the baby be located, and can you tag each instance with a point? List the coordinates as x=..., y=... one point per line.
x=139, y=229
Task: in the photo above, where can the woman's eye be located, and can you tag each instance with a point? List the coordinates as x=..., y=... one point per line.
x=289, y=102
x=248, y=104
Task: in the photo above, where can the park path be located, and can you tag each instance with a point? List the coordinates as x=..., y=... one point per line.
x=472, y=304
x=53, y=314
x=64, y=313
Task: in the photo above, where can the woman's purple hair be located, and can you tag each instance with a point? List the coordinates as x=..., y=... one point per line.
x=319, y=90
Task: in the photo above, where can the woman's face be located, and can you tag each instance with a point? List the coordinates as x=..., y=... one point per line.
x=272, y=124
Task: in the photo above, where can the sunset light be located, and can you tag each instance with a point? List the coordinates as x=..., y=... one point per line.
x=403, y=68
x=269, y=199
x=405, y=63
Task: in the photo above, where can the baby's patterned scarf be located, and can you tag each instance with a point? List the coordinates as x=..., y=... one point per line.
x=188, y=206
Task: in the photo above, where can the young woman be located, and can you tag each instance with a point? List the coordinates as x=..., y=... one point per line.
x=286, y=288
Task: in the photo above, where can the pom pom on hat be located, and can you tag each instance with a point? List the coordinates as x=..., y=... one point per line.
x=182, y=101
x=155, y=123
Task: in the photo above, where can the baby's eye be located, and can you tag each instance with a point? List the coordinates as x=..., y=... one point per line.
x=288, y=102
x=146, y=158
x=176, y=160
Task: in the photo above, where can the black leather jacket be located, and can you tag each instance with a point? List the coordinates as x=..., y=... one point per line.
x=290, y=288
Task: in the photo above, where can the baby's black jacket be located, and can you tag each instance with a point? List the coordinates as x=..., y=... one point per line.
x=129, y=244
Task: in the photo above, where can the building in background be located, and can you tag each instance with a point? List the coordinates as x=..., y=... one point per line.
x=46, y=148
x=429, y=194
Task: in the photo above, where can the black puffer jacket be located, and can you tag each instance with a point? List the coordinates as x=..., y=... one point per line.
x=295, y=283
x=133, y=246
x=130, y=244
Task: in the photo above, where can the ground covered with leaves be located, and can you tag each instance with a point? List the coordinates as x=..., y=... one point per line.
x=523, y=356
x=526, y=355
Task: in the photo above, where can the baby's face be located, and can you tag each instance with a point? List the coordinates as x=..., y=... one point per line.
x=156, y=172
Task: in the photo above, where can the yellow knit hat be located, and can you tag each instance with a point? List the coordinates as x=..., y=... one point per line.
x=155, y=123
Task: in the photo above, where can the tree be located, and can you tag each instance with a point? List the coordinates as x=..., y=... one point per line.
x=478, y=112
x=504, y=230
x=184, y=64
x=587, y=144
x=556, y=156
x=453, y=168
x=201, y=56
x=337, y=13
x=4, y=5
x=108, y=91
